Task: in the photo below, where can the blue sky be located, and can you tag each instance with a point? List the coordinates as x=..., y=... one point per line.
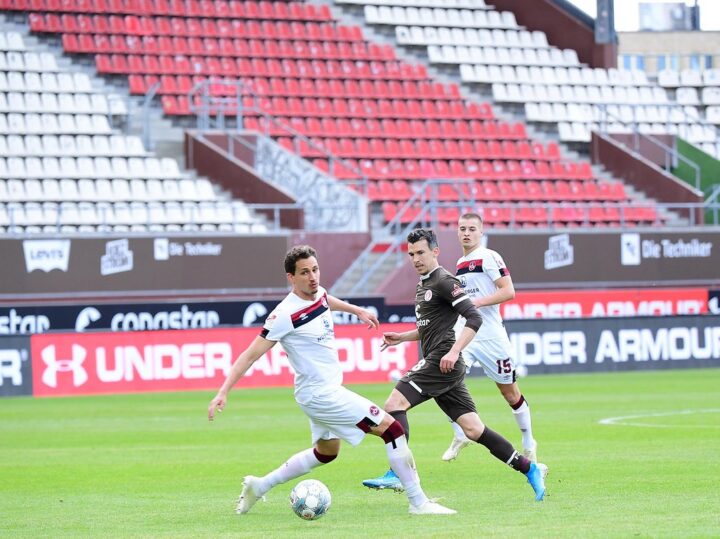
x=626, y=12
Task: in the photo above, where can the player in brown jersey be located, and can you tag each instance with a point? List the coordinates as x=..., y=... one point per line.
x=440, y=374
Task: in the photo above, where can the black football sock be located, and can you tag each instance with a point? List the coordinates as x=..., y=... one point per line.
x=503, y=450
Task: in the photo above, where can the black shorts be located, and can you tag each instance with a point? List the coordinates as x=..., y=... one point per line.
x=425, y=381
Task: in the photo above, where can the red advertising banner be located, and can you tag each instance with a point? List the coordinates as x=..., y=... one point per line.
x=606, y=303
x=133, y=362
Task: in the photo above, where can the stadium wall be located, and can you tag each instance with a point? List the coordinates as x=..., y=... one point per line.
x=60, y=364
x=162, y=266
x=584, y=259
x=210, y=158
x=187, y=314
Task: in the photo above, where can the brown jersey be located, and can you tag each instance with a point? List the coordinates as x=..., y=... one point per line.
x=439, y=299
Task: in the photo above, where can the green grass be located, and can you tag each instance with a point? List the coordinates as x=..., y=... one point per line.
x=152, y=465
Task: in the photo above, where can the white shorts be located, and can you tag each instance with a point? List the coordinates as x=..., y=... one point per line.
x=337, y=412
x=495, y=357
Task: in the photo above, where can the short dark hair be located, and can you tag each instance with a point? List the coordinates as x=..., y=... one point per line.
x=471, y=215
x=427, y=234
x=296, y=253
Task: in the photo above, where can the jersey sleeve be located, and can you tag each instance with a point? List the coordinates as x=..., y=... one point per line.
x=494, y=267
x=452, y=291
x=276, y=326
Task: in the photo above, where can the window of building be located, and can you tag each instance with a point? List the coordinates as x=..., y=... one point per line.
x=695, y=61
x=709, y=63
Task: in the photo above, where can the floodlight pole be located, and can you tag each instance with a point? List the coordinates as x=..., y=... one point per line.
x=605, y=22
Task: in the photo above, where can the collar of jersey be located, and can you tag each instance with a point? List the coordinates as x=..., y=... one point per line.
x=428, y=274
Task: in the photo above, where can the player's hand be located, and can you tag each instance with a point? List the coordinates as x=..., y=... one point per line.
x=368, y=318
x=217, y=404
x=447, y=362
x=390, y=338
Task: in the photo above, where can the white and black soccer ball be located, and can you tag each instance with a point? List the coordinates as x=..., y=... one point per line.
x=310, y=499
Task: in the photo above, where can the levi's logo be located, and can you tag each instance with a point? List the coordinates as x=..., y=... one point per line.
x=46, y=255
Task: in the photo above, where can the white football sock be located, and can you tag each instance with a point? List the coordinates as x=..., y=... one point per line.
x=522, y=417
x=297, y=465
x=459, y=434
x=403, y=464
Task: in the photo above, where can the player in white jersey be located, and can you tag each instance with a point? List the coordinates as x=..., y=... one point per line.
x=303, y=324
x=486, y=279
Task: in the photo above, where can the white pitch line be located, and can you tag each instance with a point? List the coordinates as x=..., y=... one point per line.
x=623, y=420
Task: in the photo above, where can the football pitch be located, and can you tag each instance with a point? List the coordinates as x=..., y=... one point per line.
x=630, y=455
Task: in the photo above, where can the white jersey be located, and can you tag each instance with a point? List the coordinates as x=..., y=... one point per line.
x=477, y=273
x=304, y=328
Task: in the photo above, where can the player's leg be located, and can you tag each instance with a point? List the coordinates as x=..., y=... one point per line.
x=458, y=404
x=496, y=358
x=521, y=412
x=460, y=441
x=323, y=451
x=404, y=396
x=403, y=464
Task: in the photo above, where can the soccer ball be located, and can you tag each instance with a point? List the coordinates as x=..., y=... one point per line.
x=310, y=499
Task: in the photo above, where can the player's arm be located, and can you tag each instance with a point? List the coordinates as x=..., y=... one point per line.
x=505, y=292
x=463, y=305
x=391, y=338
x=363, y=315
x=252, y=353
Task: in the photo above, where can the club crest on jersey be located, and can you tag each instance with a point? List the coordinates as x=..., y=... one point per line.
x=456, y=291
x=324, y=302
x=270, y=320
x=428, y=295
x=374, y=410
x=471, y=267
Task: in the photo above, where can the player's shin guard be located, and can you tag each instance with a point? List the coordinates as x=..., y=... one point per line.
x=501, y=449
x=297, y=465
x=402, y=463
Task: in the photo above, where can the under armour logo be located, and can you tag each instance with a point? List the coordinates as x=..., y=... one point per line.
x=55, y=365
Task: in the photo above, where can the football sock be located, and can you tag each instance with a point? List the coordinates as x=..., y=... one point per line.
x=501, y=449
x=297, y=465
x=402, y=463
x=521, y=411
x=459, y=434
x=401, y=416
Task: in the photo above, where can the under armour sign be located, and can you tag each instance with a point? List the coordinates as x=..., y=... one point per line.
x=55, y=365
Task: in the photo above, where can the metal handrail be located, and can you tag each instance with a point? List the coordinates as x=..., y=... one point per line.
x=202, y=89
x=669, y=152
x=147, y=140
x=329, y=204
x=393, y=229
